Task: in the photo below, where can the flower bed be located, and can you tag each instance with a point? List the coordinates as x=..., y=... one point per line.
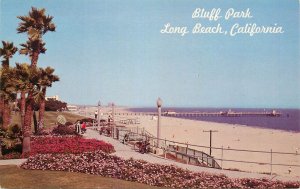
x=43, y=145
x=100, y=163
x=12, y=155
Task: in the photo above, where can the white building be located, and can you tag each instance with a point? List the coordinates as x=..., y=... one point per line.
x=55, y=97
x=72, y=108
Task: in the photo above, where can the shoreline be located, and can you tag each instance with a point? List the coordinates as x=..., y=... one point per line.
x=240, y=125
x=128, y=109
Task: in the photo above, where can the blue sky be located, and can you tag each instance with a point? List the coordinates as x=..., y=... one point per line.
x=113, y=51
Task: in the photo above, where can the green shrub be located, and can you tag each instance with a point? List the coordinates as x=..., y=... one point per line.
x=68, y=123
x=14, y=131
x=64, y=130
x=55, y=105
x=50, y=105
x=12, y=155
x=9, y=145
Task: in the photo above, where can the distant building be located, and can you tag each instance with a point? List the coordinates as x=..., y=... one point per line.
x=170, y=112
x=72, y=108
x=55, y=97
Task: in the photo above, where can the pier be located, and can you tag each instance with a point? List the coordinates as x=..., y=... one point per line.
x=201, y=114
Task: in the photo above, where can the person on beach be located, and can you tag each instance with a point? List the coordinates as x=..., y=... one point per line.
x=96, y=114
x=126, y=138
x=144, y=147
x=109, y=120
x=83, y=127
x=77, y=127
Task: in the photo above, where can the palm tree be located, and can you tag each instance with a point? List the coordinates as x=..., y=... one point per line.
x=7, y=51
x=6, y=85
x=30, y=47
x=22, y=72
x=28, y=79
x=8, y=94
x=35, y=24
x=46, y=80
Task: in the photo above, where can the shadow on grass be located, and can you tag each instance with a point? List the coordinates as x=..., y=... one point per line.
x=11, y=176
x=49, y=118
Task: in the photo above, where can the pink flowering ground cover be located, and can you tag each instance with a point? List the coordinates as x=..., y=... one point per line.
x=56, y=144
x=100, y=163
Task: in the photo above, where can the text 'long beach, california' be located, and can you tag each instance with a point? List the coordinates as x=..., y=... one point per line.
x=214, y=27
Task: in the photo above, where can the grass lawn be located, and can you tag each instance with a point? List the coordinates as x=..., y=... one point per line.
x=11, y=176
x=50, y=118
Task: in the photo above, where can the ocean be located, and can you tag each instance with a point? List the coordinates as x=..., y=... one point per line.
x=289, y=120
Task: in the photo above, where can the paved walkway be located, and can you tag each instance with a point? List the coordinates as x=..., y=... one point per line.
x=12, y=161
x=126, y=152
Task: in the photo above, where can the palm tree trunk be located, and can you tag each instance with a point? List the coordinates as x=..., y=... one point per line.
x=42, y=108
x=1, y=111
x=1, y=148
x=35, y=123
x=27, y=124
x=34, y=59
x=6, y=114
x=1, y=106
x=22, y=107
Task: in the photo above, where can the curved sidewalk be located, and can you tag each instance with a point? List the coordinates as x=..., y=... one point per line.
x=126, y=152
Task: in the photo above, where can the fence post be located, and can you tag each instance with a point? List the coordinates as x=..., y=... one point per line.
x=186, y=152
x=222, y=158
x=153, y=144
x=165, y=148
x=271, y=162
x=187, y=146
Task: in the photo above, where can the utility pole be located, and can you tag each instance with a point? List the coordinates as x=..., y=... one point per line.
x=210, y=138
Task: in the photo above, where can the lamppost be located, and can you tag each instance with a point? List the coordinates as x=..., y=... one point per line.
x=113, y=121
x=98, y=117
x=159, y=104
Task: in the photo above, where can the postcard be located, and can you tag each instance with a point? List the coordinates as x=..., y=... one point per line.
x=150, y=92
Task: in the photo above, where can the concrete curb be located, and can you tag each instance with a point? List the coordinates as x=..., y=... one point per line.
x=12, y=161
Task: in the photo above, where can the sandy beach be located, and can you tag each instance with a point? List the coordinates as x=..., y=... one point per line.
x=229, y=137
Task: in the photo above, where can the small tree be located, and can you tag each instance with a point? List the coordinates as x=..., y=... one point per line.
x=22, y=72
x=46, y=79
x=7, y=92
